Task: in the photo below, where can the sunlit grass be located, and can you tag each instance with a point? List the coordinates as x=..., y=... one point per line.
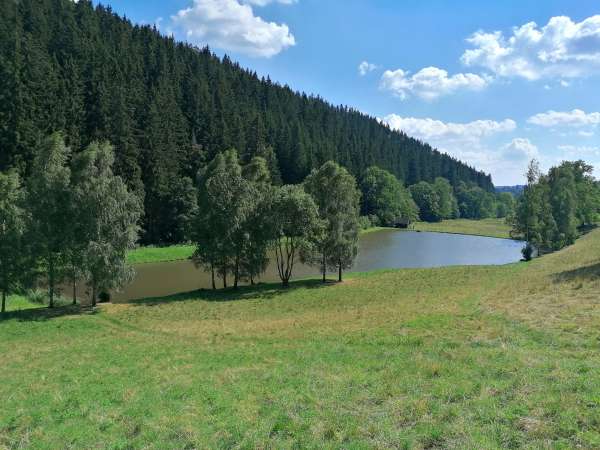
x=460, y=357
x=485, y=227
x=160, y=254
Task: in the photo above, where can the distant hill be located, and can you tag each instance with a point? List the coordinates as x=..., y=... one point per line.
x=169, y=107
x=514, y=190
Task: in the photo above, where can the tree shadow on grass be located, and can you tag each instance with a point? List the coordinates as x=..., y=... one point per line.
x=261, y=291
x=44, y=313
x=591, y=272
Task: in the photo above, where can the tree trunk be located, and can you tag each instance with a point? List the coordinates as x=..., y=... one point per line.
x=212, y=274
x=224, y=278
x=236, y=274
x=340, y=272
x=251, y=280
x=3, y=301
x=324, y=267
x=51, y=286
x=93, y=295
x=74, y=291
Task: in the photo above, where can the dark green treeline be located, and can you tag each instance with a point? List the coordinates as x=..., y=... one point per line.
x=168, y=108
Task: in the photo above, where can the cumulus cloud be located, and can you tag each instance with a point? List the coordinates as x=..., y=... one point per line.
x=430, y=83
x=472, y=142
x=366, y=67
x=574, y=118
x=233, y=26
x=430, y=129
x=267, y=2
x=519, y=150
x=562, y=48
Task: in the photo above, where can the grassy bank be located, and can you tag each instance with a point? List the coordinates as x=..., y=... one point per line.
x=144, y=255
x=462, y=357
x=485, y=227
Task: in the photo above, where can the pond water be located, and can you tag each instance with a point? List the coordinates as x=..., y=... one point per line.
x=385, y=249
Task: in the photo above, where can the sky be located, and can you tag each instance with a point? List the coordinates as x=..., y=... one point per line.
x=494, y=83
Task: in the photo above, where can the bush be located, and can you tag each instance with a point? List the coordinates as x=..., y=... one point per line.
x=527, y=252
x=104, y=297
x=364, y=222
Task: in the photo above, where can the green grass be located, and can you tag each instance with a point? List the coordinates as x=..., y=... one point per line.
x=485, y=227
x=460, y=357
x=144, y=255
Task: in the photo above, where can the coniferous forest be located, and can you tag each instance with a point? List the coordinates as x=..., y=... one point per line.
x=168, y=108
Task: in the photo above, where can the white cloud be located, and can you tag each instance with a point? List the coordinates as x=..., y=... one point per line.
x=574, y=118
x=430, y=83
x=586, y=134
x=561, y=48
x=232, y=26
x=471, y=142
x=267, y=2
x=430, y=129
x=519, y=150
x=366, y=67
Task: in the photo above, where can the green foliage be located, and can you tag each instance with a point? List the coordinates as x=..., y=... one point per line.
x=338, y=199
x=12, y=228
x=294, y=218
x=428, y=201
x=109, y=217
x=227, y=203
x=554, y=206
x=474, y=202
x=448, y=205
x=505, y=204
x=386, y=198
x=169, y=107
x=49, y=200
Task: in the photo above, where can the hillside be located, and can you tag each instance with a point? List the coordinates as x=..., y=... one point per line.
x=168, y=108
x=462, y=357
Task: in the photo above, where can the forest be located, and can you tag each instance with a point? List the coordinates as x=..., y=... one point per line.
x=169, y=108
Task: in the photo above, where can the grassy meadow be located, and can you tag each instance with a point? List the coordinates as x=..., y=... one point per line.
x=144, y=255
x=461, y=357
x=485, y=227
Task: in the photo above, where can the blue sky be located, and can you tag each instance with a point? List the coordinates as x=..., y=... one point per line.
x=494, y=83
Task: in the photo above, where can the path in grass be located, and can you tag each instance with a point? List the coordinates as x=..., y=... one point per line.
x=461, y=357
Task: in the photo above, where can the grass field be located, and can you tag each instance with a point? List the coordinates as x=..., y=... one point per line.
x=485, y=227
x=462, y=357
x=144, y=255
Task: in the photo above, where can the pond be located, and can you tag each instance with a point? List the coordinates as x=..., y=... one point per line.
x=385, y=249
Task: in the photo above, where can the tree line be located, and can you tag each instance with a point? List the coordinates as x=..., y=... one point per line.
x=242, y=216
x=555, y=207
x=74, y=220
x=386, y=201
x=169, y=108
x=71, y=220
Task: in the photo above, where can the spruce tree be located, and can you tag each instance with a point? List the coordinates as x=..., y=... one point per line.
x=49, y=195
x=12, y=227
